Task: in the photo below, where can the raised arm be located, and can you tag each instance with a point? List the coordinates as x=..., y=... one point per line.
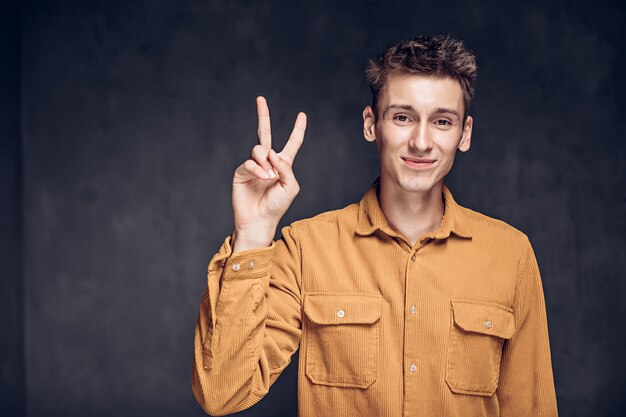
x=249, y=323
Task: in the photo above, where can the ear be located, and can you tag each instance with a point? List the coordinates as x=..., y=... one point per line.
x=466, y=140
x=369, y=122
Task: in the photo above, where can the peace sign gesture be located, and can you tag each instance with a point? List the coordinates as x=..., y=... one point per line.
x=264, y=186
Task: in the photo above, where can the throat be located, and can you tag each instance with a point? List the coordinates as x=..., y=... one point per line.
x=413, y=216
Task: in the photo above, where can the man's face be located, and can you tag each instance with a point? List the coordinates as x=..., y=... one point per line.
x=418, y=129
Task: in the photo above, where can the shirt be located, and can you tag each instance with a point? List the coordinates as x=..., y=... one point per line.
x=454, y=325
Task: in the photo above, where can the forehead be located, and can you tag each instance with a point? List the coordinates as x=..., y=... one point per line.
x=422, y=92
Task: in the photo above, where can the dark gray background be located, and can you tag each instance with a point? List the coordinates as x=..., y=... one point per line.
x=121, y=123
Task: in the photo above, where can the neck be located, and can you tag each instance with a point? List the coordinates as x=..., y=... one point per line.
x=412, y=214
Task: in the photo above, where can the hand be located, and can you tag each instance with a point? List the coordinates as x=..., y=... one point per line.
x=264, y=186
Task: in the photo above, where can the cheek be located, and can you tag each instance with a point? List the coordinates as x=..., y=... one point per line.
x=450, y=148
x=388, y=150
x=448, y=143
x=401, y=134
x=394, y=137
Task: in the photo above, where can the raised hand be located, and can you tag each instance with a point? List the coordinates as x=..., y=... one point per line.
x=264, y=186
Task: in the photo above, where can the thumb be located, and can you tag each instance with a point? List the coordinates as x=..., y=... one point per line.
x=285, y=173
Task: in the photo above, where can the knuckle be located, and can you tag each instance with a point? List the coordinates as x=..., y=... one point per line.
x=259, y=152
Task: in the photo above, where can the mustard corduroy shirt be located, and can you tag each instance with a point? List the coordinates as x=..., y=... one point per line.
x=454, y=325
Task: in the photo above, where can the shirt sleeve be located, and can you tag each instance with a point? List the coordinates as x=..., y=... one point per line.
x=526, y=385
x=249, y=324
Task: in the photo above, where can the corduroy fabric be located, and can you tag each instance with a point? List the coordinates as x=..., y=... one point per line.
x=454, y=325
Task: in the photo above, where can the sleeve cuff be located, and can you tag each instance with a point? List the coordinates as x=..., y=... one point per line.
x=248, y=264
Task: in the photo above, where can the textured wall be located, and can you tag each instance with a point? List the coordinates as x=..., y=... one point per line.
x=11, y=289
x=135, y=115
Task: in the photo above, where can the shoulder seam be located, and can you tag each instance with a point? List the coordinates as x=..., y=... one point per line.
x=523, y=257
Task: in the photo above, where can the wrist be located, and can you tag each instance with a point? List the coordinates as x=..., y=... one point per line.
x=252, y=238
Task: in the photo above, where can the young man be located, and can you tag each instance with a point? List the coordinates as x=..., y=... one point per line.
x=404, y=304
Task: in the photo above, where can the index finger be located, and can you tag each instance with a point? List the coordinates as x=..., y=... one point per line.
x=295, y=139
x=264, y=130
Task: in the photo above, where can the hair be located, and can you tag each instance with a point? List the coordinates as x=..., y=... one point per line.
x=437, y=56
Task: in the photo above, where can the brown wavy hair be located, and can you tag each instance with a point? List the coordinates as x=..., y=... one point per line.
x=438, y=56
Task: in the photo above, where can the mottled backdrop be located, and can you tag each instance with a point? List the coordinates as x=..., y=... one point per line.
x=121, y=123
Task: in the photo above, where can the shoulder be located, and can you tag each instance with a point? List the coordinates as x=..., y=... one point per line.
x=482, y=222
x=326, y=223
x=496, y=231
x=339, y=217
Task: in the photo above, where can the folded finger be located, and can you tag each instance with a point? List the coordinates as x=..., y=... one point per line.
x=250, y=170
x=259, y=155
x=285, y=173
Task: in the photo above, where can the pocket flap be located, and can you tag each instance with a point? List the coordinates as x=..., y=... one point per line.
x=484, y=317
x=342, y=307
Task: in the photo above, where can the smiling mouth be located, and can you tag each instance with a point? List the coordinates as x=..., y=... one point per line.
x=418, y=163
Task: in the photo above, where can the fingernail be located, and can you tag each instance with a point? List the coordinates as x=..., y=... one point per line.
x=270, y=172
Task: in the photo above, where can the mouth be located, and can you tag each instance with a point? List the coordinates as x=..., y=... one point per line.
x=418, y=163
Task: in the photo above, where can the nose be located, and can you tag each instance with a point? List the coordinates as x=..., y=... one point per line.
x=421, y=140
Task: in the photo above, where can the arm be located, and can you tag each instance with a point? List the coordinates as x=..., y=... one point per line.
x=249, y=321
x=526, y=383
x=248, y=329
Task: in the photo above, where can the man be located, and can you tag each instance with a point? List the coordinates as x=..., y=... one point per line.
x=404, y=304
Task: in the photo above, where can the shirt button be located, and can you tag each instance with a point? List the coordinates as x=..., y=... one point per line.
x=488, y=324
x=413, y=309
x=236, y=266
x=412, y=368
x=250, y=264
x=341, y=313
x=413, y=258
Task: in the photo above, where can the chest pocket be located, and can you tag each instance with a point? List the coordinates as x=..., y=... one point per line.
x=342, y=338
x=478, y=330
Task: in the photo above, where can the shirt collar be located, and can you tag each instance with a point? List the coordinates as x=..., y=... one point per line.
x=371, y=217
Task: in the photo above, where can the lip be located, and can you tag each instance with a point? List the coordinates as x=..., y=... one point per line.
x=418, y=163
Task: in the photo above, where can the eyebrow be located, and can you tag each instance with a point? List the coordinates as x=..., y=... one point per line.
x=443, y=110
x=439, y=110
x=397, y=106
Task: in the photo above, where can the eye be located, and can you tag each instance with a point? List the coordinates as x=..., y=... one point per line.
x=443, y=122
x=402, y=118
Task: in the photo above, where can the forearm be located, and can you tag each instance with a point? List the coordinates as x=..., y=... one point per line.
x=241, y=344
x=225, y=334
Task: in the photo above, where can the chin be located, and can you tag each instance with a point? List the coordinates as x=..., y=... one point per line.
x=415, y=185
x=409, y=182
